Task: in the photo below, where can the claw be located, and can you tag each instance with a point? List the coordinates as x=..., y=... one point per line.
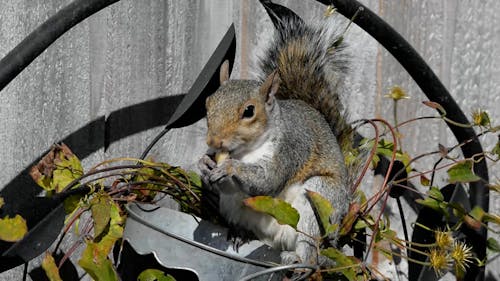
x=207, y=160
x=217, y=174
x=206, y=165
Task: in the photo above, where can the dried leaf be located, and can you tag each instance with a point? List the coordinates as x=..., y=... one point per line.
x=424, y=181
x=443, y=150
x=57, y=169
x=349, y=219
x=386, y=252
x=13, y=229
x=282, y=211
x=50, y=268
x=474, y=218
x=323, y=210
x=494, y=218
x=1, y=202
x=154, y=275
x=462, y=172
x=435, y=105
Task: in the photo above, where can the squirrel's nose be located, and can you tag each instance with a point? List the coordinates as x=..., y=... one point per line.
x=214, y=142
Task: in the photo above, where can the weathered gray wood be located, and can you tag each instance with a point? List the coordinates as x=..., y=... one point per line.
x=135, y=51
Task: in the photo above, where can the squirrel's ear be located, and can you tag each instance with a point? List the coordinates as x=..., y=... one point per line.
x=270, y=86
x=224, y=72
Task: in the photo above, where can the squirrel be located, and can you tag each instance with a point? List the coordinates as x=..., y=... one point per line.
x=280, y=134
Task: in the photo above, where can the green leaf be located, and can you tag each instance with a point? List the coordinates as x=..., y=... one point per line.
x=360, y=224
x=429, y=202
x=477, y=213
x=95, y=259
x=493, y=245
x=13, y=229
x=282, y=211
x=323, y=209
x=57, y=169
x=481, y=118
x=100, y=207
x=361, y=195
x=154, y=275
x=97, y=265
x=194, y=178
x=72, y=202
x=375, y=161
x=50, y=268
x=496, y=149
x=436, y=194
x=458, y=209
x=386, y=148
x=342, y=261
x=462, y=172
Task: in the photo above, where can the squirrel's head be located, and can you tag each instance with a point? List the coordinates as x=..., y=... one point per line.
x=238, y=112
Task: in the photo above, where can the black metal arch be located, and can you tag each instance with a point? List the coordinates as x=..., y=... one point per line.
x=191, y=109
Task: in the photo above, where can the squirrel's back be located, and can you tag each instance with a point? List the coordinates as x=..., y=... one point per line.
x=312, y=63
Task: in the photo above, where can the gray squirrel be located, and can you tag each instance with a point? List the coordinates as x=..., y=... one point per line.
x=279, y=136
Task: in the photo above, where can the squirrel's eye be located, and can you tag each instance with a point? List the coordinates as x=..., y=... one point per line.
x=249, y=111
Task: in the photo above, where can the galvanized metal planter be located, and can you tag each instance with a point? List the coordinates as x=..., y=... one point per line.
x=182, y=241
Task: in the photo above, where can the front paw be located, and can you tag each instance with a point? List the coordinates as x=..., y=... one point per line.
x=222, y=172
x=206, y=164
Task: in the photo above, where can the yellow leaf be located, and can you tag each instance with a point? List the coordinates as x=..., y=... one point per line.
x=50, y=268
x=281, y=210
x=13, y=229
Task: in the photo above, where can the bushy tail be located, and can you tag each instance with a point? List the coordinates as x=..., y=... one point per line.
x=312, y=63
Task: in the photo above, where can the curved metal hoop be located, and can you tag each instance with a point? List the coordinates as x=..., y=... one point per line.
x=35, y=43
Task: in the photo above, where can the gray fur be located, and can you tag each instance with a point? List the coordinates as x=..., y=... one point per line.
x=297, y=149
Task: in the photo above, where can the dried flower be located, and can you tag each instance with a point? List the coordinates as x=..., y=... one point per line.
x=444, y=239
x=330, y=10
x=461, y=254
x=440, y=261
x=397, y=93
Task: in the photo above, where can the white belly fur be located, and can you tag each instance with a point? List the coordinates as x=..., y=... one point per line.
x=265, y=227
